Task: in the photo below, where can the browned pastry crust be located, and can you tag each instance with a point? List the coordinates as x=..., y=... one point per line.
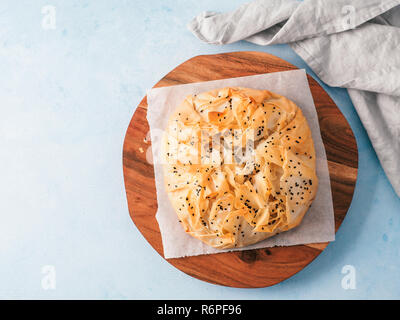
x=227, y=199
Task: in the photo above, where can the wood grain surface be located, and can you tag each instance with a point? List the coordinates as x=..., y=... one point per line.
x=249, y=268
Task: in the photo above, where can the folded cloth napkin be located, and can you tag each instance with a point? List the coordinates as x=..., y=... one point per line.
x=351, y=44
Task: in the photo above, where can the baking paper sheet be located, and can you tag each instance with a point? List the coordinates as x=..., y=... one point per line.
x=318, y=223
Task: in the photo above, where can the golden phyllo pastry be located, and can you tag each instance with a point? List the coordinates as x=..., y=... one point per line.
x=239, y=165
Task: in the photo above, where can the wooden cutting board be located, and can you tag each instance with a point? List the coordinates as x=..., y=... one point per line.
x=249, y=268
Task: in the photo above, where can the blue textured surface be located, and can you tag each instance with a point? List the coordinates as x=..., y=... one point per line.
x=67, y=96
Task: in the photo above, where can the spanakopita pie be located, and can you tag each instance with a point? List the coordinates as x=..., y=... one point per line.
x=239, y=165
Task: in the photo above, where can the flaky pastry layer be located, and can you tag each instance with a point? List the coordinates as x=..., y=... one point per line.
x=239, y=165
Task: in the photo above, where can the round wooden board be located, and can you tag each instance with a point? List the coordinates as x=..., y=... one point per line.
x=248, y=268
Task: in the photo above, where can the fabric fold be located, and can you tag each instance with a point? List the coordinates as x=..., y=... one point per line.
x=349, y=44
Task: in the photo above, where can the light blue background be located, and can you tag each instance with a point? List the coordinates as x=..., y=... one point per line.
x=66, y=98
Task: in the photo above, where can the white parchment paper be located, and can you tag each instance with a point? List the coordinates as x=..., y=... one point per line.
x=318, y=223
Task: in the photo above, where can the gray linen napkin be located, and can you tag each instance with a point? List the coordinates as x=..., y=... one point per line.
x=354, y=44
